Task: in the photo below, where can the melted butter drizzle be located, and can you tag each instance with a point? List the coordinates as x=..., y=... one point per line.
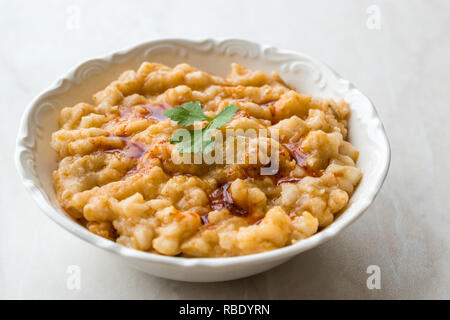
x=147, y=111
x=222, y=199
x=132, y=149
x=295, y=151
x=136, y=149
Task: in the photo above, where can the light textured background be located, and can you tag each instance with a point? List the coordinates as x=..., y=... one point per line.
x=404, y=67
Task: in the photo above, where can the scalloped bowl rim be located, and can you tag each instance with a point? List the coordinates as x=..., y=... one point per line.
x=280, y=253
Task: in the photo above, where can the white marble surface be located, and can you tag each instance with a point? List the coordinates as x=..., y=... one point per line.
x=404, y=67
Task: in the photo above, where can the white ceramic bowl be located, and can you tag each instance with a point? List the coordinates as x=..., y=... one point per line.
x=36, y=160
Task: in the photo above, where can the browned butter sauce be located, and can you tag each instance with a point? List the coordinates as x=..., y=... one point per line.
x=148, y=111
x=131, y=149
x=221, y=199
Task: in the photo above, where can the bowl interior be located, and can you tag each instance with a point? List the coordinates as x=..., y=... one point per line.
x=37, y=160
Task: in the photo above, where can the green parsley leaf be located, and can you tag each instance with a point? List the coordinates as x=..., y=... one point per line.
x=184, y=139
x=193, y=141
x=223, y=117
x=186, y=115
x=207, y=141
x=198, y=140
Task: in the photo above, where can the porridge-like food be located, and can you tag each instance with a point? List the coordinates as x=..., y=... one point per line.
x=120, y=175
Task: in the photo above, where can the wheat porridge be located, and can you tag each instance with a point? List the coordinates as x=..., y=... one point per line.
x=122, y=169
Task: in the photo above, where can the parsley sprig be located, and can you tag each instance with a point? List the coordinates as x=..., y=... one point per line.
x=197, y=140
